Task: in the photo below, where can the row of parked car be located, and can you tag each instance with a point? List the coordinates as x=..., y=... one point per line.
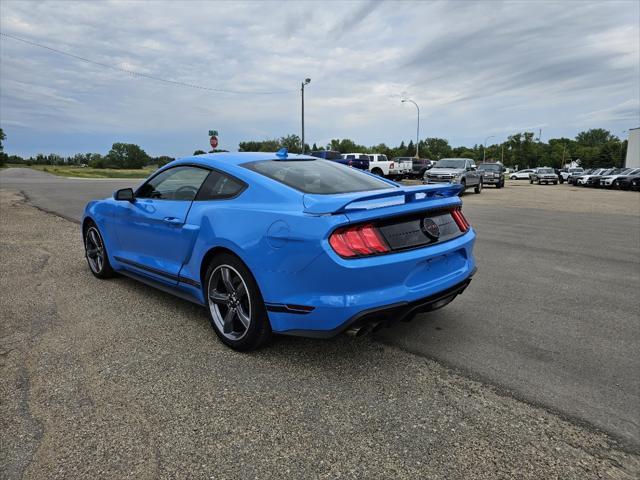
x=622, y=178
x=397, y=168
x=462, y=171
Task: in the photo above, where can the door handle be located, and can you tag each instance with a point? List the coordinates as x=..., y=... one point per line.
x=173, y=221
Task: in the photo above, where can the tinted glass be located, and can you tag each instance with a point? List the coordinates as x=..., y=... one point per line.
x=317, y=176
x=451, y=163
x=545, y=170
x=219, y=186
x=178, y=183
x=492, y=168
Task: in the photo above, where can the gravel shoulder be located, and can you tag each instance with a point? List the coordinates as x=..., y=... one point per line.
x=116, y=380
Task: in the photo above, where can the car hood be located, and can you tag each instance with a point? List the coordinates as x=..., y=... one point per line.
x=446, y=171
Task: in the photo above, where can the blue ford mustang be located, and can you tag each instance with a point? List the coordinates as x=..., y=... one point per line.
x=282, y=243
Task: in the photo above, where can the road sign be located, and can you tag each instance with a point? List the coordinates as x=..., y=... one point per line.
x=213, y=141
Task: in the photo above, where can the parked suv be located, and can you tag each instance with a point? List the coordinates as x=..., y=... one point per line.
x=455, y=170
x=492, y=174
x=544, y=175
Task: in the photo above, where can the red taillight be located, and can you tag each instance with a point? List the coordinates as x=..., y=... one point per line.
x=460, y=220
x=358, y=241
x=391, y=165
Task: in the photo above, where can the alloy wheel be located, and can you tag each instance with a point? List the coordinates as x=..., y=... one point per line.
x=229, y=302
x=94, y=249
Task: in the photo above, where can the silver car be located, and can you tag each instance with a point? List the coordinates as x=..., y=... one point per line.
x=455, y=170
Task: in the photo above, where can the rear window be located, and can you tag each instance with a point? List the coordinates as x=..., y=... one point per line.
x=317, y=176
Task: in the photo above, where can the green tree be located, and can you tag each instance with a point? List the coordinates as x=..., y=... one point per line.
x=346, y=146
x=126, y=155
x=596, y=137
x=260, y=146
x=435, y=148
x=292, y=143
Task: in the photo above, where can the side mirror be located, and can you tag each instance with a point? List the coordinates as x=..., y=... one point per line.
x=125, y=194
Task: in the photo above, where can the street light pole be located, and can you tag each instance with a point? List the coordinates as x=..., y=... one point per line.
x=484, y=147
x=306, y=82
x=417, y=129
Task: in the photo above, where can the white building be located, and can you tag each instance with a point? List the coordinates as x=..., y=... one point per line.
x=633, y=149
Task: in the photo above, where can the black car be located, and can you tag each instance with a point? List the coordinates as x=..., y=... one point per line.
x=492, y=174
x=629, y=182
x=418, y=166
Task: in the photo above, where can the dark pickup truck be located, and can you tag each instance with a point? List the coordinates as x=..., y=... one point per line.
x=362, y=162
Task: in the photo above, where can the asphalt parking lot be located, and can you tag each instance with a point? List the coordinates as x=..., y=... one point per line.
x=121, y=380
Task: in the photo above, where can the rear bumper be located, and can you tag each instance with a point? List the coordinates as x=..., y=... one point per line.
x=388, y=314
x=338, y=292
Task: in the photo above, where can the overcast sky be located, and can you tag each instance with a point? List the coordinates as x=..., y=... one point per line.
x=475, y=68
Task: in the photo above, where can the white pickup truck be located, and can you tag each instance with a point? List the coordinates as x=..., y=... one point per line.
x=380, y=165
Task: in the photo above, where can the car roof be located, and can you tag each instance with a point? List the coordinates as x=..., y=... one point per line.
x=237, y=158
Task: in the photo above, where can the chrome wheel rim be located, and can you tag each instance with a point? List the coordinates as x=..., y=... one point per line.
x=229, y=302
x=94, y=249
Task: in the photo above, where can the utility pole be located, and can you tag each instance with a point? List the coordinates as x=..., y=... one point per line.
x=417, y=129
x=306, y=82
x=484, y=147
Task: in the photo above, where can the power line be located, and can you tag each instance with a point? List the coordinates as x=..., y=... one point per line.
x=146, y=75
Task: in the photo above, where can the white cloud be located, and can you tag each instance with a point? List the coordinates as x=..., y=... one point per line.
x=474, y=68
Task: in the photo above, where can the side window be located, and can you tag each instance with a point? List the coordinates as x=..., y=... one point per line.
x=178, y=183
x=218, y=186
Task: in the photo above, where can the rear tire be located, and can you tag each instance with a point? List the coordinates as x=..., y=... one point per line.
x=513, y=177
x=234, y=304
x=377, y=171
x=96, y=253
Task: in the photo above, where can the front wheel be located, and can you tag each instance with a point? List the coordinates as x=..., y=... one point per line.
x=463, y=184
x=96, y=253
x=235, y=306
x=478, y=188
x=531, y=181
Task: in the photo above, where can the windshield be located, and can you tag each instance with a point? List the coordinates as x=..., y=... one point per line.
x=576, y=170
x=450, y=163
x=545, y=170
x=317, y=176
x=490, y=167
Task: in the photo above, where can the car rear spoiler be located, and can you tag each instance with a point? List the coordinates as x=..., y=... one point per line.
x=316, y=204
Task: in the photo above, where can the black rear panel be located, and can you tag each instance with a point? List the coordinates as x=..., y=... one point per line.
x=418, y=230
